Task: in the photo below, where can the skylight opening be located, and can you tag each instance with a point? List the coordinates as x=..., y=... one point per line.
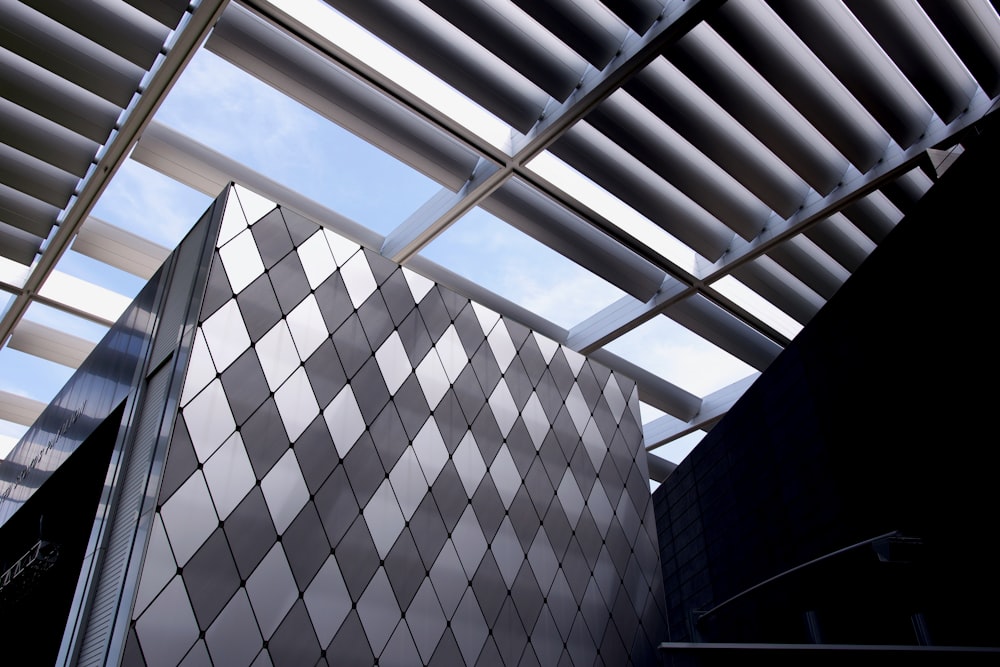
x=613, y=209
x=667, y=349
x=238, y=115
x=754, y=303
x=150, y=204
x=387, y=61
x=488, y=251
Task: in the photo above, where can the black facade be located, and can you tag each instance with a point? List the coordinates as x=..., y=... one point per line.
x=797, y=521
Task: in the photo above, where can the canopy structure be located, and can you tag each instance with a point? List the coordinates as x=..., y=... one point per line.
x=705, y=174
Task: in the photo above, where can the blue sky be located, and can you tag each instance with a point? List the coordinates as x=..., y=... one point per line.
x=221, y=106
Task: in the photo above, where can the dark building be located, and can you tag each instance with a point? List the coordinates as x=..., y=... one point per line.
x=798, y=520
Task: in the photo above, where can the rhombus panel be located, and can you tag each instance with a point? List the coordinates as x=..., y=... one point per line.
x=367, y=468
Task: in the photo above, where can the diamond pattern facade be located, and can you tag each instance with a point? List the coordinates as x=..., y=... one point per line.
x=370, y=469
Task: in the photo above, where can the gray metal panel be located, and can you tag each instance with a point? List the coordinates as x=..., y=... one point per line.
x=293, y=68
x=601, y=160
x=111, y=23
x=108, y=593
x=48, y=95
x=60, y=50
x=550, y=223
x=436, y=45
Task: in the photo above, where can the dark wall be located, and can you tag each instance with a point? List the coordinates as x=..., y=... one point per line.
x=877, y=418
x=35, y=605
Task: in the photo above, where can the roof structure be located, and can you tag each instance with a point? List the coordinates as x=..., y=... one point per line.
x=721, y=166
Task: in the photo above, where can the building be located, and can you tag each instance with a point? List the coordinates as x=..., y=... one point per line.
x=721, y=167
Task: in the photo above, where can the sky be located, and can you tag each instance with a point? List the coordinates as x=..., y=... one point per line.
x=219, y=105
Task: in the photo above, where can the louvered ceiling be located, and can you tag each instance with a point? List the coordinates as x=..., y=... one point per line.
x=773, y=144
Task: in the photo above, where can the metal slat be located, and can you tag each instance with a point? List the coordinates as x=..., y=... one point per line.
x=528, y=48
x=782, y=289
x=35, y=88
x=19, y=409
x=665, y=151
x=972, y=28
x=637, y=14
x=35, y=178
x=26, y=213
x=771, y=48
x=715, y=67
x=551, y=224
x=700, y=120
x=167, y=12
x=874, y=215
x=55, y=47
x=725, y=330
x=451, y=55
x=114, y=25
x=51, y=344
x=275, y=57
x=920, y=52
x=579, y=27
x=807, y=262
x=841, y=240
x=18, y=245
x=37, y=136
x=836, y=37
x=607, y=164
x=119, y=248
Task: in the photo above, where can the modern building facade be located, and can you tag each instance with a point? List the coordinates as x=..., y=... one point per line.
x=319, y=457
x=798, y=532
